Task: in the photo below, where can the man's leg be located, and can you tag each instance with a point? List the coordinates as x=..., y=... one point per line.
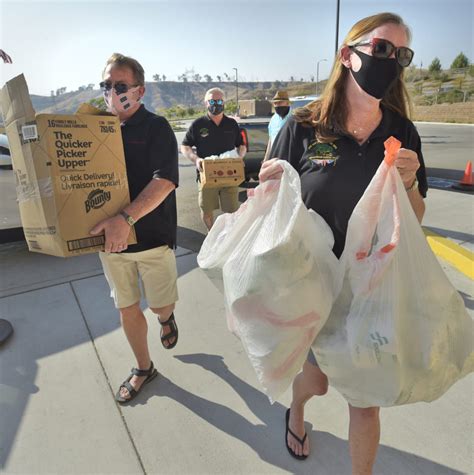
x=229, y=199
x=121, y=272
x=157, y=268
x=136, y=328
x=207, y=219
x=208, y=200
x=364, y=436
x=310, y=382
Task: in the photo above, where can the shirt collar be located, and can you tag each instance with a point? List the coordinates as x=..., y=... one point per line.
x=138, y=117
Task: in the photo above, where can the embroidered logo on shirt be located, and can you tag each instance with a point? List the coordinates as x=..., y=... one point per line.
x=204, y=132
x=322, y=153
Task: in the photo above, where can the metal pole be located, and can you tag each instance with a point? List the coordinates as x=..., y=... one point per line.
x=337, y=25
x=237, y=88
x=317, y=76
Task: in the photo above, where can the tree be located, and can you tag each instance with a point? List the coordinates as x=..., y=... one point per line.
x=163, y=77
x=312, y=78
x=52, y=93
x=207, y=78
x=227, y=77
x=99, y=102
x=219, y=78
x=460, y=61
x=292, y=79
x=197, y=77
x=435, y=66
x=156, y=77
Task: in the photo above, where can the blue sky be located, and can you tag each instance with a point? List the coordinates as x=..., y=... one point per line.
x=66, y=43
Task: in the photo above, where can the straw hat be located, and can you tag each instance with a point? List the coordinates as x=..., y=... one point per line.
x=280, y=96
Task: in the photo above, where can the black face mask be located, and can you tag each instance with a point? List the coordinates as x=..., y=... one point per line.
x=216, y=109
x=282, y=111
x=376, y=75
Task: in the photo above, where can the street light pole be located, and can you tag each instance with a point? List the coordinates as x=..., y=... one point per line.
x=237, y=88
x=317, y=76
x=337, y=25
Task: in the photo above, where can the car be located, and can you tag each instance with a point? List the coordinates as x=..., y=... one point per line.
x=5, y=158
x=301, y=101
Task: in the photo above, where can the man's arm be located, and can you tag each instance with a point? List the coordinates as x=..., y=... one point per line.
x=191, y=155
x=242, y=150
x=117, y=230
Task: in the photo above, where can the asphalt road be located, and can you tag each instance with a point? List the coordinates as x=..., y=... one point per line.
x=446, y=149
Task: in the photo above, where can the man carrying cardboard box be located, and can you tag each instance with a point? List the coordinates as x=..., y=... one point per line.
x=151, y=156
x=213, y=134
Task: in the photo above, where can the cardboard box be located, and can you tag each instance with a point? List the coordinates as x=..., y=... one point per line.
x=70, y=172
x=222, y=172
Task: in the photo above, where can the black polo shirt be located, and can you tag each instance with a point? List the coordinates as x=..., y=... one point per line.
x=211, y=139
x=334, y=189
x=151, y=152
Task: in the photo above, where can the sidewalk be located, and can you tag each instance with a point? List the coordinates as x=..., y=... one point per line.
x=205, y=413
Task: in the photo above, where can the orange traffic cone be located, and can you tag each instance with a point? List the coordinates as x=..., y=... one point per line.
x=466, y=182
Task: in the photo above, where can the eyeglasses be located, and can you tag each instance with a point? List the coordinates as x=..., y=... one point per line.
x=120, y=87
x=384, y=49
x=213, y=102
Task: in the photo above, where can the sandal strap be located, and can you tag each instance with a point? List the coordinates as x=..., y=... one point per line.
x=170, y=335
x=143, y=372
x=170, y=322
x=131, y=391
x=300, y=441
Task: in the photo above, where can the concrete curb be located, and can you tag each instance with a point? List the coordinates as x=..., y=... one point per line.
x=459, y=257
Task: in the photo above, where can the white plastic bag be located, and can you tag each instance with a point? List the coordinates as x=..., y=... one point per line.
x=280, y=277
x=399, y=332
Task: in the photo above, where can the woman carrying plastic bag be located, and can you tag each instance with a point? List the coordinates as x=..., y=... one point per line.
x=336, y=144
x=280, y=277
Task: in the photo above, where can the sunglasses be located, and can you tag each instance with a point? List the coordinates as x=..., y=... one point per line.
x=214, y=102
x=384, y=49
x=120, y=87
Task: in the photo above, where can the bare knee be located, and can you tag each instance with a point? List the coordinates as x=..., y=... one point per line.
x=319, y=381
x=367, y=414
x=163, y=312
x=130, y=312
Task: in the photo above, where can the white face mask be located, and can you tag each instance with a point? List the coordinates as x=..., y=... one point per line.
x=119, y=103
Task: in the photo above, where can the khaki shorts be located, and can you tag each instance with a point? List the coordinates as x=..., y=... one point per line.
x=156, y=268
x=227, y=199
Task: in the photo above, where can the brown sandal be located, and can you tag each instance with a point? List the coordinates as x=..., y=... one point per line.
x=171, y=323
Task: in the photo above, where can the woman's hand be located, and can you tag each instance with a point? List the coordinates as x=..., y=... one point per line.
x=271, y=170
x=407, y=164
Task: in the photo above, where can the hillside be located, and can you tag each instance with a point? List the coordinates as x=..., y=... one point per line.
x=426, y=90
x=165, y=94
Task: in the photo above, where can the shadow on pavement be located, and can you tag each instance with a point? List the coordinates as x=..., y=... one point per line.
x=330, y=454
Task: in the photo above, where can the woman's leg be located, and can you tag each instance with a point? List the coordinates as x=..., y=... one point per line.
x=364, y=436
x=311, y=382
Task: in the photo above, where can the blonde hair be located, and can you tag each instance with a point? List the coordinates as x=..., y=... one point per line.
x=329, y=113
x=211, y=91
x=122, y=61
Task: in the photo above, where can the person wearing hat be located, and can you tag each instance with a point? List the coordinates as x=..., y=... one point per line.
x=281, y=103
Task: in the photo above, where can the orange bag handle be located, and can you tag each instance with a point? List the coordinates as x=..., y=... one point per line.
x=392, y=146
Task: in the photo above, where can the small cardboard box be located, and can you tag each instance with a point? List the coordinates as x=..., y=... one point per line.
x=222, y=172
x=69, y=169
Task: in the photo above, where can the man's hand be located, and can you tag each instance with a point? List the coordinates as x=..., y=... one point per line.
x=199, y=164
x=407, y=164
x=116, y=231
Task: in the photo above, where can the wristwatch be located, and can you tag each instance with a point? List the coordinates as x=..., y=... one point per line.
x=127, y=218
x=413, y=186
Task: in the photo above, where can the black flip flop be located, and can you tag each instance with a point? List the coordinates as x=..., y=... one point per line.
x=6, y=330
x=150, y=373
x=171, y=323
x=300, y=441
